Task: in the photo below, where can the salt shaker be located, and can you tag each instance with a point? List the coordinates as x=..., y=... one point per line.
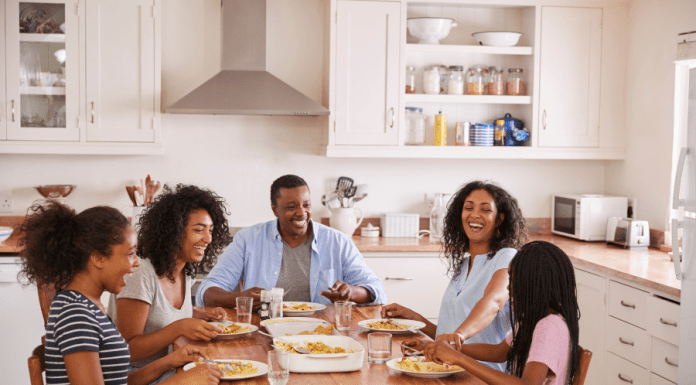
x=265, y=310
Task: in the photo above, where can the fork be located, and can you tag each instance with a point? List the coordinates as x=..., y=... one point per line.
x=297, y=349
x=228, y=365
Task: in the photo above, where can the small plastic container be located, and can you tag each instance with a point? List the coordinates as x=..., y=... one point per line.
x=455, y=82
x=431, y=80
x=410, y=80
x=415, y=126
x=496, y=84
x=369, y=231
x=516, y=85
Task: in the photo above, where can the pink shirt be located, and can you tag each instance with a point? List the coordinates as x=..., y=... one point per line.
x=550, y=346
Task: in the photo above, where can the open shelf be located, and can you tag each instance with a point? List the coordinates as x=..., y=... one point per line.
x=479, y=99
x=34, y=90
x=43, y=37
x=472, y=49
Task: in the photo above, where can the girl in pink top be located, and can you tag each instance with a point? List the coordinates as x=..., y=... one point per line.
x=543, y=346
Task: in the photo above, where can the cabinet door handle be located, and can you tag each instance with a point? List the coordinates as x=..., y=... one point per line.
x=627, y=305
x=670, y=363
x=543, y=120
x=668, y=323
x=625, y=379
x=400, y=278
x=626, y=342
x=92, y=112
x=13, y=110
x=392, y=122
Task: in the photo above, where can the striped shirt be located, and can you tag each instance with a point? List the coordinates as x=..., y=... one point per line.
x=76, y=324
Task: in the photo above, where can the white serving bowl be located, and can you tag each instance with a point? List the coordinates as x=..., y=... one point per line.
x=497, y=39
x=5, y=233
x=429, y=30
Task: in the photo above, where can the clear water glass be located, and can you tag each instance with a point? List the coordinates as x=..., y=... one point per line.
x=379, y=347
x=277, y=302
x=343, y=311
x=278, y=367
x=244, y=306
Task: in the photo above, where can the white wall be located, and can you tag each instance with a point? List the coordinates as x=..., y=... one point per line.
x=239, y=156
x=645, y=172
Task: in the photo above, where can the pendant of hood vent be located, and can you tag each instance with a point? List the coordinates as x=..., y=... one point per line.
x=244, y=87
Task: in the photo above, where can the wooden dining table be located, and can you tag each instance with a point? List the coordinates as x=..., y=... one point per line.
x=254, y=346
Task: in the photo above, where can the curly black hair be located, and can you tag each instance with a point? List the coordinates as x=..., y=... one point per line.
x=285, y=181
x=56, y=242
x=512, y=232
x=162, y=228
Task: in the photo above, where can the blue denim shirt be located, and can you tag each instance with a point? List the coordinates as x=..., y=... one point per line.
x=257, y=253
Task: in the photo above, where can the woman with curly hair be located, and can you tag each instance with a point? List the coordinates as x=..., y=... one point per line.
x=184, y=229
x=82, y=255
x=483, y=228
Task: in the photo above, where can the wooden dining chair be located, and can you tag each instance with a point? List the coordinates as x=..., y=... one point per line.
x=37, y=365
x=585, y=357
x=46, y=294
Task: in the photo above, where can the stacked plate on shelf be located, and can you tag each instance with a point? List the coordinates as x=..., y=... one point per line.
x=482, y=134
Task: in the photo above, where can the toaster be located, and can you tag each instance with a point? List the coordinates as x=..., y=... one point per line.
x=628, y=233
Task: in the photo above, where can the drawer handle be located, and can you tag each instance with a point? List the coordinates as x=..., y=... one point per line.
x=626, y=342
x=627, y=305
x=668, y=323
x=400, y=278
x=670, y=363
x=625, y=379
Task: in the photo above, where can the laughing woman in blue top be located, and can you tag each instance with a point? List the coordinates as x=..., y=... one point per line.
x=483, y=228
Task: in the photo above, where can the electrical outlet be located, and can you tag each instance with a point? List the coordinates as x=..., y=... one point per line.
x=6, y=202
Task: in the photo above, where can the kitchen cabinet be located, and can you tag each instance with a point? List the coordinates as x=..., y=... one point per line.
x=367, y=73
x=103, y=97
x=569, y=80
x=3, y=122
x=592, y=298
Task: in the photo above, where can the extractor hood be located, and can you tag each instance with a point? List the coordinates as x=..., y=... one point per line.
x=244, y=87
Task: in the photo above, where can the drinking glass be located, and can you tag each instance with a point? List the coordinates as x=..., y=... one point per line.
x=379, y=347
x=343, y=310
x=278, y=367
x=244, y=306
x=277, y=302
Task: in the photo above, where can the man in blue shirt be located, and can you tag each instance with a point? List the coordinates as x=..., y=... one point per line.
x=312, y=262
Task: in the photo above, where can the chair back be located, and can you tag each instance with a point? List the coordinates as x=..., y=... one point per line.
x=46, y=294
x=585, y=357
x=37, y=365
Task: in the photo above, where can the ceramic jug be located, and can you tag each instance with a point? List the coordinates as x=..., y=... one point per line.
x=344, y=220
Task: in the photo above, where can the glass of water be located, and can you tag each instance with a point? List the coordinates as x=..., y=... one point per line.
x=244, y=306
x=278, y=367
x=379, y=347
x=343, y=310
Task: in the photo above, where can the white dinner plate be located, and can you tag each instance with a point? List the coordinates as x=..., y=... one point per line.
x=291, y=319
x=263, y=369
x=235, y=335
x=413, y=325
x=391, y=364
x=317, y=307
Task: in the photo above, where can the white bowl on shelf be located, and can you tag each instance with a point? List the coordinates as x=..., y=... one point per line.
x=497, y=39
x=430, y=30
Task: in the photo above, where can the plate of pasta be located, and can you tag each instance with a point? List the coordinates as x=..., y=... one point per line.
x=418, y=367
x=241, y=368
x=391, y=325
x=301, y=308
x=233, y=329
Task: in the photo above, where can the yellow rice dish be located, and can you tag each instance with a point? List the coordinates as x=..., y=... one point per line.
x=424, y=367
x=234, y=329
x=387, y=325
x=239, y=370
x=319, y=330
x=314, y=347
x=298, y=307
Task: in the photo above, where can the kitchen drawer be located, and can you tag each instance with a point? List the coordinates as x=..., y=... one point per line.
x=628, y=341
x=663, y=319
x=623, y=372
x=657, y=380
x=628, y=304
x=665, y=357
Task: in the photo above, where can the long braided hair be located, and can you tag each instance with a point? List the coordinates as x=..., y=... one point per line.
x=541, y=279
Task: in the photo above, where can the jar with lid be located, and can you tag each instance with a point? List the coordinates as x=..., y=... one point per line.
x=455, y=83
x=431, y=80
x=477, y=80
x=515, y=82
x=410, y=80
x=415, y=126
x=496, y=85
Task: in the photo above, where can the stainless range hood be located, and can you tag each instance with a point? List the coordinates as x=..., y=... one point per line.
x=244, y=87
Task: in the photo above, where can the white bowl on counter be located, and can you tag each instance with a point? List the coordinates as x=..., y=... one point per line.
x=324, y=363
x=429, y=30
x=5, y=233
x=497, y=39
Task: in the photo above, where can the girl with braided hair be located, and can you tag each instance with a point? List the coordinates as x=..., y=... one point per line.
x=543, y=346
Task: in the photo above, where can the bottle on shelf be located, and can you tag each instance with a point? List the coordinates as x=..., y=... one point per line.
x=462, y=133
x=440, y=129
x=455, y=82
x=499, y=134
x=515, y=82
x=415, y=126
x=477, y=80
x=431, y=80
x=437, y=219
x=410, y=80
x=496, y=85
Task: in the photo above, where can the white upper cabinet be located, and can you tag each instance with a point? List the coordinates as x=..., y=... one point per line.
x=3, y=121
x=569, y=80
x=367, y=73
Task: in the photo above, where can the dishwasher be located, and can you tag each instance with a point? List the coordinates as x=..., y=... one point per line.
x=21, y=322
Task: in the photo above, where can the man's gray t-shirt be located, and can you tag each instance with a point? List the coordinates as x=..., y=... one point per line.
x=294, y=271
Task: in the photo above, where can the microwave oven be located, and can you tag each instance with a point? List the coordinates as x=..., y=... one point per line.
x=584, y=217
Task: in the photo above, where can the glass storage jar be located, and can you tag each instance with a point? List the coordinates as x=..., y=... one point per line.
x=515, y=82
x=455, y=82
x=415, y=126
x=431, y=80
x=477, y=80
x=410, y=80
x=496, y=85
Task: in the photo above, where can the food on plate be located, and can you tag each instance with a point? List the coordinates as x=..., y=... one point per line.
x=319, y=330
x=387, y=325
x=234, y=329
x=417, y=365
x=298, y=307
x=239, y=369
x=314, y=348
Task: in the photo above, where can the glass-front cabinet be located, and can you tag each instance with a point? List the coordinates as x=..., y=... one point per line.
x=42, y=70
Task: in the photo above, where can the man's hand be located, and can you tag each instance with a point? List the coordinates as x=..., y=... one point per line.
x=340, y=291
